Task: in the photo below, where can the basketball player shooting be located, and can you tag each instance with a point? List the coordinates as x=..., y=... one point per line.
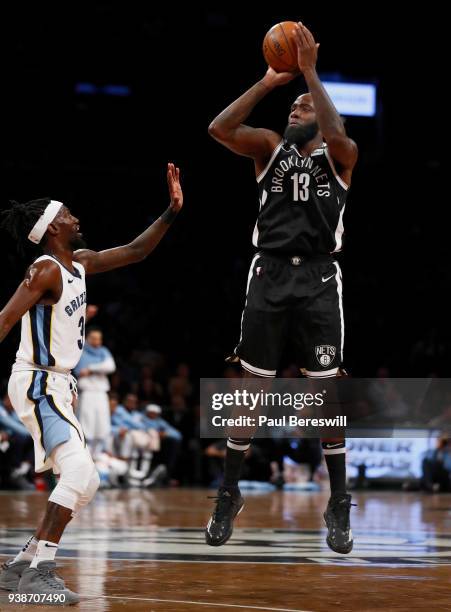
x=294, y=288
x=51, y=301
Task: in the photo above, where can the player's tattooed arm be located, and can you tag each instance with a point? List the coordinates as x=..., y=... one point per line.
x=137, y=250
x=42, y=284
x=341, y=147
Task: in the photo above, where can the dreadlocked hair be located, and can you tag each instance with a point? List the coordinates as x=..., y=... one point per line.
x=20, y=219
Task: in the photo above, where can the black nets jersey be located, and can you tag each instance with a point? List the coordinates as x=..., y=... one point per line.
x=302, y=201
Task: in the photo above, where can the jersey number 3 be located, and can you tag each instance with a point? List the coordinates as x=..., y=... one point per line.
x=81, y=325
x=301, y=182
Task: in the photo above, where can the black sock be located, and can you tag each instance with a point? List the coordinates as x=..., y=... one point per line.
x=233, y=461
x=336, y=466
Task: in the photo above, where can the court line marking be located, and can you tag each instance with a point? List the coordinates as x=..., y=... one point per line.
x=205, y=603
x=243, y=530
x=345, y=562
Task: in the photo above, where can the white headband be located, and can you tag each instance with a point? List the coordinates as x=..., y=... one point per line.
x=40, y=227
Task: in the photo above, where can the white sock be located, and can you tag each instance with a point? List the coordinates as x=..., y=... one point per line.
x=28, y=551
x=45, y=551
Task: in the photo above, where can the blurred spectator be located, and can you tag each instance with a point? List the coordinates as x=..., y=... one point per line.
x=91, y=311
x=154, y=420
x=113, y=471
x=117, y=432
x=16, y=450
x=170, y=440
x=215, y=454
x=95, y=364
x=135, y=440
x=180, y=417
x=437, y=467
x=186, y=421
x=294, y=451
x=9, y=421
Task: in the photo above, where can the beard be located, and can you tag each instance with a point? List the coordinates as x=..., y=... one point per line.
x=300, y=135
x=76, y=243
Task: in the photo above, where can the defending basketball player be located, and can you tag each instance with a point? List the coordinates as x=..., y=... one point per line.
x=51, y=302
x=294, y=288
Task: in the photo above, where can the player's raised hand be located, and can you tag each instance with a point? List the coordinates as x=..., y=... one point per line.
x=275, y=79
x=175, y=189
x=307, y=47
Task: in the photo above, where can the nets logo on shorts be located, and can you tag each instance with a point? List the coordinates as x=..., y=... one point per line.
x=325, y=354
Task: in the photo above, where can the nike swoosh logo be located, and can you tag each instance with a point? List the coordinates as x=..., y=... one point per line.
x=50, y=545
x=333, y=445
x=70, y=280
x=326, y=279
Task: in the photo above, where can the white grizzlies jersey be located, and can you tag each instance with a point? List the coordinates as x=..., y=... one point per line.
x=53, y=336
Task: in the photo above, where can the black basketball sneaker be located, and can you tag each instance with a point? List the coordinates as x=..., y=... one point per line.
x=220, y=526
x=339, y=537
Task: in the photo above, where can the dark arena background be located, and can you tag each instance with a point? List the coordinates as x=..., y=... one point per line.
x=96, y=100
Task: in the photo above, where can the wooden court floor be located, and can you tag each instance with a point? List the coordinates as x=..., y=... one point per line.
x=144, y=551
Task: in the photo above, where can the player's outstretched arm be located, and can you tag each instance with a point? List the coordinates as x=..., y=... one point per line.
x=43, y=279
x=137, y=250
x=341, y=147
x=228, y=127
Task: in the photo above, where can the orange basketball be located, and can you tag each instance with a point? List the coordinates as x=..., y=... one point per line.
x=279, y=47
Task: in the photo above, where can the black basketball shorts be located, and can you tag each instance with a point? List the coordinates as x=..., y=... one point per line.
x=292, y=300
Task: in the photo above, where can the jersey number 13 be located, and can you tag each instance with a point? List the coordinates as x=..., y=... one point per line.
x=301, y=182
